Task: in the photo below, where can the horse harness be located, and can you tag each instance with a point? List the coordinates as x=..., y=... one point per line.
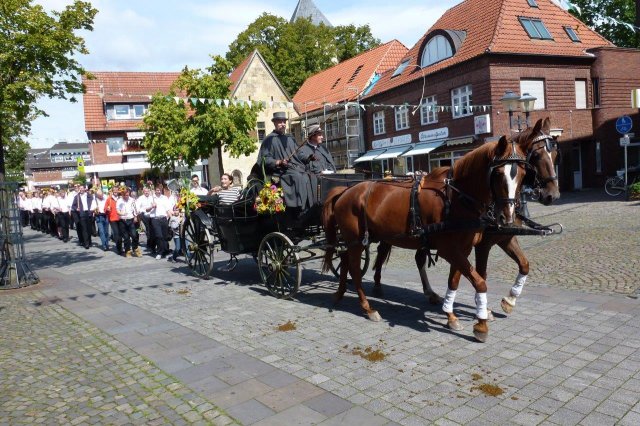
x=550, y=143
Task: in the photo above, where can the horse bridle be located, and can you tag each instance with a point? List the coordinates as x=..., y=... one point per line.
x=550, y=143
x=514, y=159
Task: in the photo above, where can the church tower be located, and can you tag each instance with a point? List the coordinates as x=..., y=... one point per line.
x=308, y=9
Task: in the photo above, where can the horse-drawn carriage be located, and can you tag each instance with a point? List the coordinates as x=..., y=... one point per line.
x=450, y=211
x=278, y=242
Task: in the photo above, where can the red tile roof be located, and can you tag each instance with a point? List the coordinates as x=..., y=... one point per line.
x=120, y=87
x=492, y=26
x=346, y=80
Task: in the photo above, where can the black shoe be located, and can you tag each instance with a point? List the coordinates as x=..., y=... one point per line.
x=87, y=246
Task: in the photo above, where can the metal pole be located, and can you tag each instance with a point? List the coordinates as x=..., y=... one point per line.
x=626, y=181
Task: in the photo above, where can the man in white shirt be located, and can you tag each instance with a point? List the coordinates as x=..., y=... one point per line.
x=102, y=222
x=195, y=186
x=161, y=208
x=126, y=208
x=62, y=214
x=143, y=204
x=37, y=211
x=82, y=206
x=48, y=204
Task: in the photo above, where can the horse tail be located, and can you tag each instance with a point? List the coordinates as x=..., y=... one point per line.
x=330, y=225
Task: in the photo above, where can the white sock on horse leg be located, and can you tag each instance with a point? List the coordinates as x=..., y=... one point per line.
x=447, y=303
x=518, y=285
x=481, y=306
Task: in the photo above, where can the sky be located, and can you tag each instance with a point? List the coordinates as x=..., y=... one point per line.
x=151, y=35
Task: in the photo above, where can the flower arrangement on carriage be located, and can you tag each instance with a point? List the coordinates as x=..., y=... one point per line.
x=187, y=200
x=270, y=200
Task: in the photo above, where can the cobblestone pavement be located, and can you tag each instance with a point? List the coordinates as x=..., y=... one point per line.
x=597, y=252
x=565, y=356
x=57, y=368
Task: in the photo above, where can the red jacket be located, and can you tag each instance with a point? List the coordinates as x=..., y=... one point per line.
x=110, y=209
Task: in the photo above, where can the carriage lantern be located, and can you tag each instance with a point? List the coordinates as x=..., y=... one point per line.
x=512, y=102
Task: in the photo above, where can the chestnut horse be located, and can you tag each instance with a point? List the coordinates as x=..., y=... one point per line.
x=542, y=154
x=451, y=200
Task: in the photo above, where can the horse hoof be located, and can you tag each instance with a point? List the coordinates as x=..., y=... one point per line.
x=490, y=316
x=480, y=336
x=506, y=305
x=435, y=299
x=455, y=325
x=374, y=316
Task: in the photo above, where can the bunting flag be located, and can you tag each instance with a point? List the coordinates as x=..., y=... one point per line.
x=290, y=105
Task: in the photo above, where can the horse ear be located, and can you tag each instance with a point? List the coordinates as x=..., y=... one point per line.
x=546, y=126
x=503, y=144
x=537, y=127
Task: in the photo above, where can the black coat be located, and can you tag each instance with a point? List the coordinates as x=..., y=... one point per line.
x=295, y=182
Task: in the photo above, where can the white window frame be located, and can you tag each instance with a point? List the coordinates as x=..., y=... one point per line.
x=120, y=115
x=135, y=112
x=461, y=98
x=437, y=49
x=428, y=110
x=534, y=87
x=581, y=94
x=402, y=117
x=378, y=123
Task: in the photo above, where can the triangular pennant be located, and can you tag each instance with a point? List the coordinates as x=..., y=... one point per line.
x=194, y=101
x=226, y=102
x=249, y=103
x=218, y=102
x=270, y=104
x=202, y=100
x=363, y=108
x=176, y=99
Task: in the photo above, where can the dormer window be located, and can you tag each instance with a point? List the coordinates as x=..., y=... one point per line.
x=400, y=68
x=436, y=50
x=535, y=28
x=532, y=3
x=121, y=111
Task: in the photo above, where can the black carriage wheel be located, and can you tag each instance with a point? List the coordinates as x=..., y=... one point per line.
x=336, y=262
x=198, y=251
x=279, y=265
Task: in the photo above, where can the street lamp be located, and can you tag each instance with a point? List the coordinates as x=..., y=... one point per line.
x=512, y=102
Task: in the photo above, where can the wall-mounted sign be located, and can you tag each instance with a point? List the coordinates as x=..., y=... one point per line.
x=69, y=174
x=434, y=134
x=482, y=124
x=389, y=142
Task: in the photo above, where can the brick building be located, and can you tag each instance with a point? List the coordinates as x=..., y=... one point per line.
x=444, y=96
x=55, y=166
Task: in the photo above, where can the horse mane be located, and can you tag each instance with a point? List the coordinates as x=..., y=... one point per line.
x=469, y=163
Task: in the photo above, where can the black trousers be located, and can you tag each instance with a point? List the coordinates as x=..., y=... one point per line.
x=128, y=234
x=84, y=227
x=53, y=225
x=161, y=230
x=146, y=220
x=116, y=235
x=63, y=220
x=24, y=217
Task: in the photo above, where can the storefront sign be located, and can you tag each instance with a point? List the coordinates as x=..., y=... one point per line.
x=482, y=124
x=381, y=143
x=401, y=140
x=69, y=174
x=431, y=135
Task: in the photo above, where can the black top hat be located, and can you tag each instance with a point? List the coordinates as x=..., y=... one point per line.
x=280, y=115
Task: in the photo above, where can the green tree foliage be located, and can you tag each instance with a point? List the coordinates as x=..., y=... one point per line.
x=15, y=152
x=38, y=58
x=598, y=14
x=179, y=132
x=295, y=51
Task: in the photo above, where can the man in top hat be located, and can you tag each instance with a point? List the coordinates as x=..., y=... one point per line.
x=279, y=154
x=316, y=157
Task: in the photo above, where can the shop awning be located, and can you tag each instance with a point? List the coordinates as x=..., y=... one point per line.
x=460, y=141
x=393, y=152
x=369, y=155
x=423, y=148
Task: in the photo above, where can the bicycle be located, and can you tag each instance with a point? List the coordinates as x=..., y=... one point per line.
x=614, y=186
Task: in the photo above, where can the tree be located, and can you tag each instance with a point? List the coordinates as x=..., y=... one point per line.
x=15, y=153
x=37, y=59
x=177, y=132
x=352, y=40
x=612, y=19
x=297, y=50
